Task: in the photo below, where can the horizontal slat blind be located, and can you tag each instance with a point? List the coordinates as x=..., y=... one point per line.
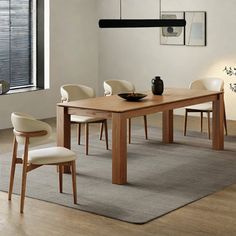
x=4, y=40
x=19, y=41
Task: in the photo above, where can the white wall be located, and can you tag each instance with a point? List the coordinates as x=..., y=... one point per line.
x=82, y=53
x=136, y=54
x=73, y=59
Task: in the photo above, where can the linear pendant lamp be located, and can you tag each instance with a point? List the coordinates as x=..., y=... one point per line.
x=140, y=23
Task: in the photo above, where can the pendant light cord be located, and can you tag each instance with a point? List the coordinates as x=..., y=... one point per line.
x=159, y=9
x=120, y=10
x=140, y=23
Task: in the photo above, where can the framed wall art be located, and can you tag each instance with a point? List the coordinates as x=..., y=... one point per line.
x=193, y=34
x=172, y=35
x=195, y=29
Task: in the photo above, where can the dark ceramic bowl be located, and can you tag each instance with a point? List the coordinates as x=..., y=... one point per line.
x=132, y=96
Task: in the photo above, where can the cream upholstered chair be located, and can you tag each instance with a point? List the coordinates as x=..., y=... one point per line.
x=213, y=84
x=112, y=87
x=28, y=130
x=72, y=92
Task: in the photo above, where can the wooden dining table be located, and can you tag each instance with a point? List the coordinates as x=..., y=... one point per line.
x=119, y=110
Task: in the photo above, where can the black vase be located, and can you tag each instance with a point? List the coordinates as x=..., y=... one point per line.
x=157, y=86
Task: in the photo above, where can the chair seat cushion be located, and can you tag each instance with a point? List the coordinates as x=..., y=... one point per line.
x=204, y=106
x=51, y=155
x=85, y=119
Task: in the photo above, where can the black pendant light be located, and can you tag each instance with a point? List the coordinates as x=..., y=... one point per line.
x=140, y=23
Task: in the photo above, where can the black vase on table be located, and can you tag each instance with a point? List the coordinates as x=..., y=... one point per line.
x=157, y=85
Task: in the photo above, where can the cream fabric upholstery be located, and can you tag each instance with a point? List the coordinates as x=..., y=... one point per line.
x=25, y=132
x=26, y=123
x=83, y=119
x=72, y=92
x=112, y=87
x=212, y=84
x=51, y=155
x=204, y=106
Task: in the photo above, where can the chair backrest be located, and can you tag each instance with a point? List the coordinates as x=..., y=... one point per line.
x=26, y=123
x=72, y=92
x=213, y=84
x=112, y=87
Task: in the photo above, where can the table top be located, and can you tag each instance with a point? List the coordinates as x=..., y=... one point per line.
x=116, y=104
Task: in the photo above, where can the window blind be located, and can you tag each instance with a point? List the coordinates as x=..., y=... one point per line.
x=16, y=42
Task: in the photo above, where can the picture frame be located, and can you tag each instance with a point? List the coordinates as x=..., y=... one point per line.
x=195, y=29
x=172, y=35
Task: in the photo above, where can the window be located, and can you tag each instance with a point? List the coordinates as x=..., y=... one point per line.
x=21, y=21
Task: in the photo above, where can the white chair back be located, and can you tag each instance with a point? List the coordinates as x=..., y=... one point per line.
x=112, y=87
x=213, y=84
x=26, y=123
x=72, y=92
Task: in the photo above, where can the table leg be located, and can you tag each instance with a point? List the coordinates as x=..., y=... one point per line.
x=119, y=149
x=218, y=123
x=63, y=130
x=167, y=126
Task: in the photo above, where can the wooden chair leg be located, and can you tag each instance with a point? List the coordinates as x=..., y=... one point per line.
x=225, y=122
x=145, y=126
x=86, y=137
x=23, y=188
x=106, y=134
x=201, y=121
x=13, y=167
x=101, y=130
x=209, y=124
x=79, y=132
x=73, y=175
x=60, y=167
x=185, y=121
x=129, y=135
x=24, y=175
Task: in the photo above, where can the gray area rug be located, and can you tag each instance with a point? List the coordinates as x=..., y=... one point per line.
x=161, y=178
